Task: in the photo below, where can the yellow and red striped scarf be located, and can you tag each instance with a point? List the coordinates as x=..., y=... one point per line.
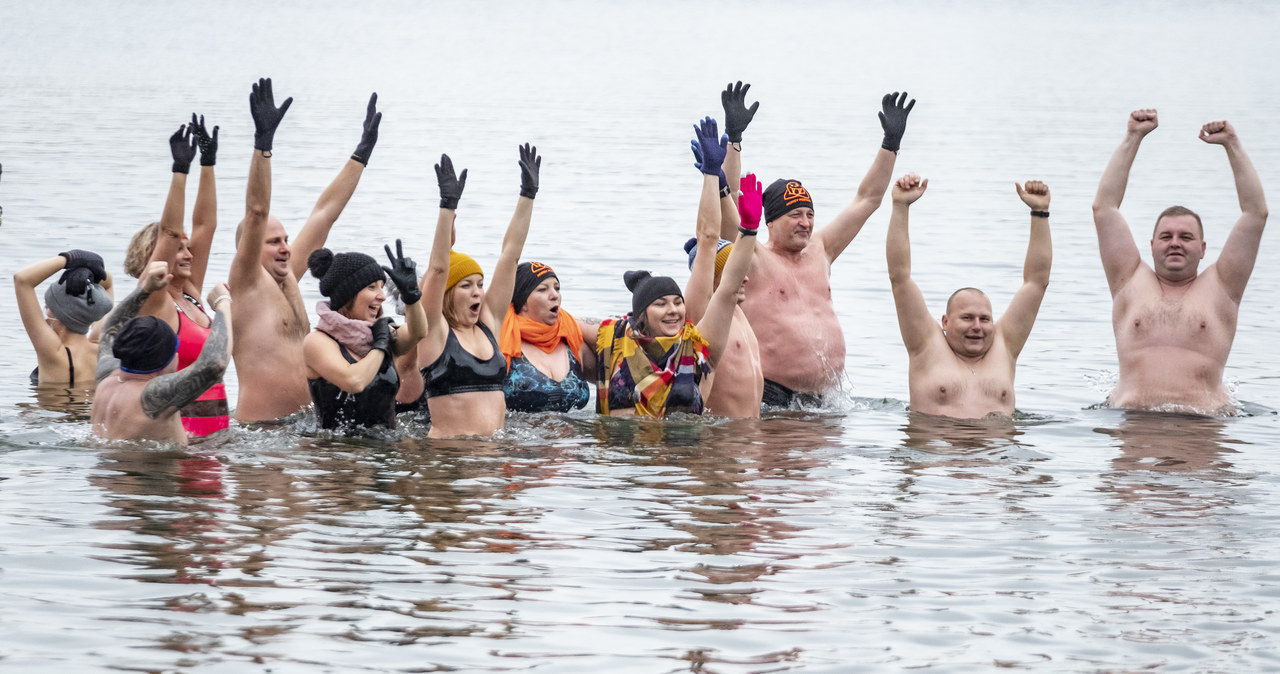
x=651, y=368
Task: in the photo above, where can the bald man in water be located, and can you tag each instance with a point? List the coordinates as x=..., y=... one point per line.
x=270, y=320
x=965, y=367
x=1174, y=324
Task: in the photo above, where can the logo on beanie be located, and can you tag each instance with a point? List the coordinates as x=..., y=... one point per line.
x=795, y=192
x=539, y=269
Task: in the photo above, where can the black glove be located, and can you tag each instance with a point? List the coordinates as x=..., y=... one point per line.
x=381, y=329
x=84, y=259
x=530, y=165
x=736, y=113
x=451, y=186
x=893, y=119
x=266, y=116
x=369, y=137
x=182, y=145
x=208, y=144
x=404, y=273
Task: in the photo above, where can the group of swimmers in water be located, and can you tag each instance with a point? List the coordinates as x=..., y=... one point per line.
x=754, y=327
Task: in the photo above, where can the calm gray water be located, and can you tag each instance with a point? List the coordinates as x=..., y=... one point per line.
x=855, y=538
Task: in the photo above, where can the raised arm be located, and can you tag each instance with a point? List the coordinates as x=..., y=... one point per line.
x=715, y=325
x=1235, y=264
x=182, y=146
x=42, y=337
x=168, y=393
x=245, y=266
x=204, y=217
x=498, y=296
x=433, y=282
x=335, y=197
x=837, y=235
x=709, y=150
x=153, y=280
x=1120, y=258
x=403, y=272
x=1015, y=324
x=914, y=321
x=737, y=116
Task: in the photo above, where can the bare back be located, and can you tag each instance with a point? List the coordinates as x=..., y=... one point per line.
x=269, y=323
x=117, y=412
x=1173, y=342
x=788, y=304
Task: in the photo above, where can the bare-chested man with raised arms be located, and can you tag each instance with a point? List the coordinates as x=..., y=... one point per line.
x=788, y=294
x=965, y=368
x=1174, y=325
x=270, y=319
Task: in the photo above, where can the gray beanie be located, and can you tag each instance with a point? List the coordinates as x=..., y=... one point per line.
x=77, y=312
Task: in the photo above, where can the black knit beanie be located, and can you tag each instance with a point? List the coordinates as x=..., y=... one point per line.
x=782, y=196
x=646, y=289
x=344, y=275
x=529, y=275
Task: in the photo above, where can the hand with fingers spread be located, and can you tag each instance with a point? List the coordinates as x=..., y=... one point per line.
x=369, y=137
x=451, y=185
x=893, y=119
x=709, y=147
x=530, y=166
x=182, y=145
x=750, y=205
x=736, y=113
x=404, y=273
x=266, y=116
x=1035, y=194
x=208, y=143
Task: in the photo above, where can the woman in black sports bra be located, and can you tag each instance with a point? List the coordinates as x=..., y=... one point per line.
x=350, y=355
x=466, y=369
x=64, y=354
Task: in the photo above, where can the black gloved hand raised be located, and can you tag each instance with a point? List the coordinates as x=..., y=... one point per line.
x=404, y=273
x=530, y=166
x=736, y=113
x=369, y=137
x=266, y=116
x=451, y=185
x=893, y=119
x=208, y=144
x=182, y=145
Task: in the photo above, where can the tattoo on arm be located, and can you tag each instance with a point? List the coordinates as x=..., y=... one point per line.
x=173, y=391
x=123, y=313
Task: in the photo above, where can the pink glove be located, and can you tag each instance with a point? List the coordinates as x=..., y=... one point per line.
x=750, y=204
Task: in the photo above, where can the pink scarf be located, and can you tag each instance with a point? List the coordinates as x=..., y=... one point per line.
x=353, y=334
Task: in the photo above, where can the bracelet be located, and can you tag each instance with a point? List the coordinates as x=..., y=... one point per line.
x=266, y=154
x=736, y=146
x=356, y=157
x=725, y=191
x=1039, y=214
x=215, y=302
x=748, y=232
